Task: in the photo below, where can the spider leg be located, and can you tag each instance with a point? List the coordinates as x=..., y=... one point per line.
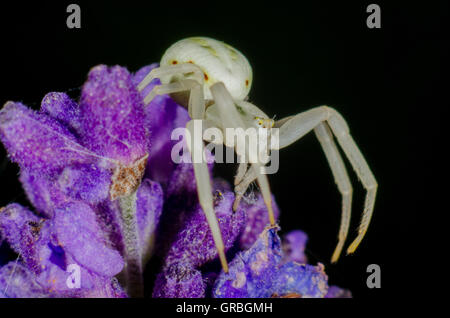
x=241, y=187
x=264, y=186
x=359, y=164
x=342, y=180
x=196, y=110
x=196, y=106
x=205, y=191
x=242, y=169
x=231, y=119
x=298, y=125
x=172, y=70
x=179, y=86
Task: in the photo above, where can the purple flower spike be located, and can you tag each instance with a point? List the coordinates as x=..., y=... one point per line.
x=179, y=281
x=194, y=243
x=258, y=273
x=294, y=244
x=80, y=235
x=38, y=142
x=257, y=219
x=112, y=115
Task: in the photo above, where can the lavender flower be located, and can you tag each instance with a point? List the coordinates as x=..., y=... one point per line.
x=80, y=166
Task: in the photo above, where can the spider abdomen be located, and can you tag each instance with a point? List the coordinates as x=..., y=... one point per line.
x=218, y=61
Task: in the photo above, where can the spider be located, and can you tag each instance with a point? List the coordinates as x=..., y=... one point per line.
x=215, y=79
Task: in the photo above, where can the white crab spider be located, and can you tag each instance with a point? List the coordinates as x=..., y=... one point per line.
x=218, y=78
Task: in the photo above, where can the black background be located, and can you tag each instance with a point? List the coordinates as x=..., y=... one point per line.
x=314, y=53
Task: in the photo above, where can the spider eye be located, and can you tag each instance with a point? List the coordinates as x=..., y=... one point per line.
x=259, y=121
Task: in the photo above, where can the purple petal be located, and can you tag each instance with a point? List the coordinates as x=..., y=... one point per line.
x=141, y=74
x=305, y=281
x=182, y=185
x=109, y=220
x=250, y=272
x=42, y=192
x=16, y=281
x=257, y=219
x=38, y=142
x=336, y=292
x=163, y=115
x=258, y=273
x=105, y=288
x=235, y=284
x=179, y=281
x=21, y=229
x=54, y=275
x=163, y=118
x=80, y=235
x=85, y=182
x=56, y=272
x=294, y=244
x=61, y=107
x=194, y=243
x=112, y=116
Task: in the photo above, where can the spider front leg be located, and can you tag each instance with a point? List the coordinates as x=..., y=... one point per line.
x=175, y=87
x=162, y=71
x=196, y=106
x=204, y=189
x=297, y=126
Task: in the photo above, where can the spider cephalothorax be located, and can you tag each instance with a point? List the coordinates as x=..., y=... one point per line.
x=218, y=79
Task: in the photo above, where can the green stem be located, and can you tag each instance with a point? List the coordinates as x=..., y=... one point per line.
x=133, y=257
